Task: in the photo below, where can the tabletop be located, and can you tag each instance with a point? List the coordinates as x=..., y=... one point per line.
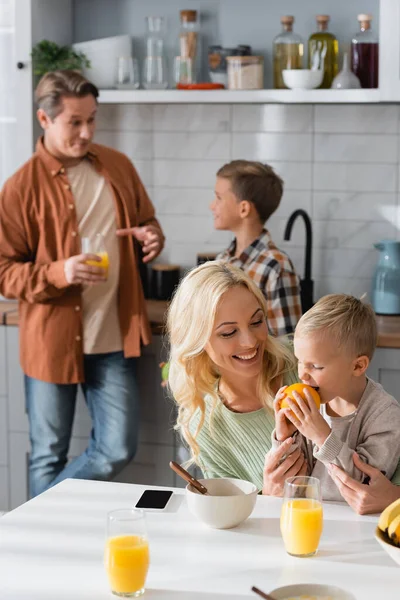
x=52, y=548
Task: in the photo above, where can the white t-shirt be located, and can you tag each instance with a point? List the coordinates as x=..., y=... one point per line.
x=96, y=214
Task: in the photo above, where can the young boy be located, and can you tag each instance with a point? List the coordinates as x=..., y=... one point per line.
x=246, y=195
x=334, y=342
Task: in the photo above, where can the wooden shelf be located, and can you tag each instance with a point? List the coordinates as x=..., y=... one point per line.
x=239, y=97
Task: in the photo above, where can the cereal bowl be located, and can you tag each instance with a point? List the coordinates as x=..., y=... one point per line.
x=302, y=79
x=229, y=503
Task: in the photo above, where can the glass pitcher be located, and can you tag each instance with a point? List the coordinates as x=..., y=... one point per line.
x=386, y=281
x=154, y=70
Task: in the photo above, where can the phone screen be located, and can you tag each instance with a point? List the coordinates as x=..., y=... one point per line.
x=154, y=499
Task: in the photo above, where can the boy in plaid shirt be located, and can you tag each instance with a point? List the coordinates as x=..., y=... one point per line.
x=246, y=194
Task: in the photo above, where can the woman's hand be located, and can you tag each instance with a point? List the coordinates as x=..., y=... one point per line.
x=283, y=427
x=276, y=470
x=306, y=417
x=363, y=498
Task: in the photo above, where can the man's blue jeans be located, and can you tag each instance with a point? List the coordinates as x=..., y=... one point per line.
x=111, y=395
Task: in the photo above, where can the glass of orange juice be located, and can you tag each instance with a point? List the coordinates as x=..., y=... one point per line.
x=301, y=516
x=126, y=556
x=97, y=246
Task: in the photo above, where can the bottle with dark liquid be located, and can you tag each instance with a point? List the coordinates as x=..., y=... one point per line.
x=288, y=51
x=365, y=54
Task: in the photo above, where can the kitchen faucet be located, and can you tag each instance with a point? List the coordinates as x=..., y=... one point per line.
x=306, y=284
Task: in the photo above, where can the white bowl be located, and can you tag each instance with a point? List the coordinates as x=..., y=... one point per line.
x=231, y=501
x=289, y=591
x=383, y=540
x=103, y=55
x=302, y=79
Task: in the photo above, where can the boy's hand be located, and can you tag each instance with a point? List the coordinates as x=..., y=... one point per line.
x=306, y=417
x=283, y=428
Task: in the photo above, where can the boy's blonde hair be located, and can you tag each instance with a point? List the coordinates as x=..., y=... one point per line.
x=350, y=321
x=190, y=322
x=255, y=182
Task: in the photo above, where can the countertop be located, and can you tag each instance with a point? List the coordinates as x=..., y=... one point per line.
x=156, y=310
x=388, y=327
x=58, y=538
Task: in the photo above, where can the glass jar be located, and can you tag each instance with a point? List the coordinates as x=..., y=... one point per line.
x=217, y=63
x=365, y=54
x=323, y=51
x=189, y=39
x=288, y=51
x=154, y=68
x=245, y=72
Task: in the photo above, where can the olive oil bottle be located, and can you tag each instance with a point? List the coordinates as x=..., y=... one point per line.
x=288, y=51
x=323, y=51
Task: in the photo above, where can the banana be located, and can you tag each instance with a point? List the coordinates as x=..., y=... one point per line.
x=394, y=531
x=387, y=517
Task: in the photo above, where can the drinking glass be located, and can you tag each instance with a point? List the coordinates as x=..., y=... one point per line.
x=183, y=71
x=301, y=516
x=96, y=245
x=154, y=65
x=126, y=556
x=128, y=72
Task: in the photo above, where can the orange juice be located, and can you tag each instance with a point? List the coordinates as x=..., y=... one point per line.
x=127, y=562
x=301, y=526
x=104, y=263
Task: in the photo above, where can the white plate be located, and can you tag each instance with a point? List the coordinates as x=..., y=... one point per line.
x=316, y=589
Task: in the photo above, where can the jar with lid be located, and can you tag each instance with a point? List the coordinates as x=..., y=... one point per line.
x=217, y=63
x=154, y=68
x=323, y=51
x=245, y=72
x=189, y=39
x=288, y=51
x=365, y=53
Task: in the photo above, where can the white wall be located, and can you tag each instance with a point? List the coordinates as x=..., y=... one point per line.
x=339, y=163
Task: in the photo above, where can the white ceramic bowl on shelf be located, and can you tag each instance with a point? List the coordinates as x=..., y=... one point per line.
x=308, y=589
x=231, y=501
x=391, y=549
x=302, y=79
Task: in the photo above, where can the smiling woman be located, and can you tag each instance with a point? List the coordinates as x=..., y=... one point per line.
x=225, y=371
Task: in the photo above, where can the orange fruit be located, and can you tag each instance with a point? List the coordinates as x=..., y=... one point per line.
x=299, y=388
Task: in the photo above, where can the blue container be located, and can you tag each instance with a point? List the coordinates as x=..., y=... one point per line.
x=386, y=281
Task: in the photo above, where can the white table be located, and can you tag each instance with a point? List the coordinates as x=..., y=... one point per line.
x=51, y=548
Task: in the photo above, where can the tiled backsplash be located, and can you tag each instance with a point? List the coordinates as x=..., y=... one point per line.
x=339, y=163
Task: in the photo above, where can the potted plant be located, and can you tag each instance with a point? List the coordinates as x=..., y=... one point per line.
x=49, y=56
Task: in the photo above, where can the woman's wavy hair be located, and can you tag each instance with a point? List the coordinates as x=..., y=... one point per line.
x=190, y=321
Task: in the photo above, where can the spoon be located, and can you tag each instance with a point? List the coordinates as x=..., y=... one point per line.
x=187, y=477
x=261, y=594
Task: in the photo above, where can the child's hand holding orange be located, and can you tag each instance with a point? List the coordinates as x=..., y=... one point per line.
x=283, y=427
x=301, y=407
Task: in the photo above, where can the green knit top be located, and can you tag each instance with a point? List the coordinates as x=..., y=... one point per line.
x=235, y=444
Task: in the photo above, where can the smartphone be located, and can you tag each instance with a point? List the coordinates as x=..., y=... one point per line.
x=157, y=499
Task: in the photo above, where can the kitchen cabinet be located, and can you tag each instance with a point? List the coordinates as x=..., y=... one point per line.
x=389, y=50
x=385, y=369
x=15, y=86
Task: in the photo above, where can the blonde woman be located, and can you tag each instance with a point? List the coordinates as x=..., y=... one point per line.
x=224, y=373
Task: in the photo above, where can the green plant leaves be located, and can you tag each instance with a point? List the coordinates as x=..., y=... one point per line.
x=49, y=56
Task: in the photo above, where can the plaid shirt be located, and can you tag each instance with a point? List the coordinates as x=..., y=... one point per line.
x=273, y=272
